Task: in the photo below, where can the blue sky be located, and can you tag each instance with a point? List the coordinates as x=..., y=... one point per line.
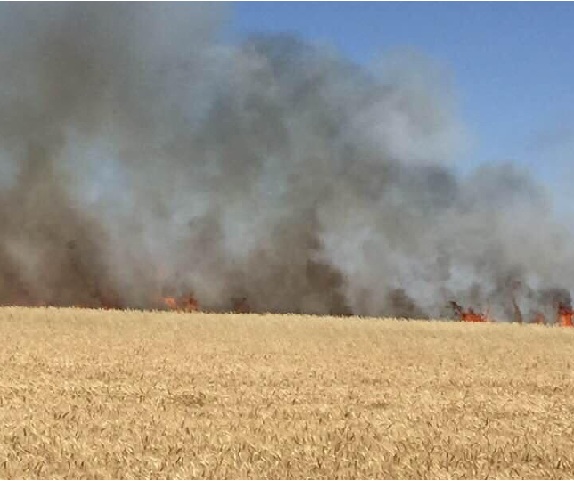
x=512, y=64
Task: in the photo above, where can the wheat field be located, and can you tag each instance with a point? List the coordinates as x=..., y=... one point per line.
x=105, y=394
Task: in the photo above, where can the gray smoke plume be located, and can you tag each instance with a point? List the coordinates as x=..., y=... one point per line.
x=141, y=156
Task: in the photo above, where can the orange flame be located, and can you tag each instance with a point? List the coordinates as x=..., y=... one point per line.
x=170, y=302
x=565, y=315
x=182, y=304
x=469, y=315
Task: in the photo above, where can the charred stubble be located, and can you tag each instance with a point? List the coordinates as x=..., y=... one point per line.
x=95, y=394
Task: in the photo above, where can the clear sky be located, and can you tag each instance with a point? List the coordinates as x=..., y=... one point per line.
x=512, y=64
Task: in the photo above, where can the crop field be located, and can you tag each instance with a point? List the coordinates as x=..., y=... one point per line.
x=106, y=394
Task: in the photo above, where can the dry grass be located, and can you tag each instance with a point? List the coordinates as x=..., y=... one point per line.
x=88, y=394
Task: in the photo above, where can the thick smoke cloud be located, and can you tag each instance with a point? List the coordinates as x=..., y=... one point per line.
x=141, y=156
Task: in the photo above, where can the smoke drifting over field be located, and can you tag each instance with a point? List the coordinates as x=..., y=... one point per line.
x=140, y=155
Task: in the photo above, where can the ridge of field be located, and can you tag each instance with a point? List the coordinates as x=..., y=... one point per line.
x=110, y=394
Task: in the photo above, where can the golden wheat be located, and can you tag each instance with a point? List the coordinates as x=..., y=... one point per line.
x=95, y=394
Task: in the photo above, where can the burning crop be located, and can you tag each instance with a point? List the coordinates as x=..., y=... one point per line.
x=468, y=315
x=182, y=304
x=565, y=314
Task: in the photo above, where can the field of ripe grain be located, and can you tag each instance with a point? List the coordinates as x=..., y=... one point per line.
x=95, y=394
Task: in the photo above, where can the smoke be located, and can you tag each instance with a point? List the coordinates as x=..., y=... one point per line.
x=140, y=155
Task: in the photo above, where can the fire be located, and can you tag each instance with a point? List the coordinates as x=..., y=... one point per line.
x=181, y=304
x=170, y=302
x=565, y=315
x=190, y=304
x=468, y=315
